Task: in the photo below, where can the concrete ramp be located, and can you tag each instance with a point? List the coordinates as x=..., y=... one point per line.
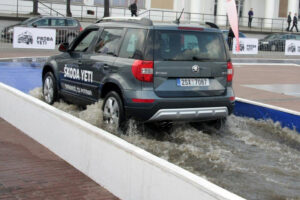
x=128, y=172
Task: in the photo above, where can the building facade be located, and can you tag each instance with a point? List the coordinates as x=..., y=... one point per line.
x=262, y=8
x=265, y=11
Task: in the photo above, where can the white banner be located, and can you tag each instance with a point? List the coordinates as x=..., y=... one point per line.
x=34, y=38
x=88, y=2
x=247, y=46
x=292, y=47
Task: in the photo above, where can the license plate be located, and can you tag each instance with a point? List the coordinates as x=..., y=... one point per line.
x=189, y=82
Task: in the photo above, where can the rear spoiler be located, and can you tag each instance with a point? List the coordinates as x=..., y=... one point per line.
x=212, y=25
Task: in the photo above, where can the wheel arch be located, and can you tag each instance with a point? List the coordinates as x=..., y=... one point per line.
x=46, y=69
x=111, y=86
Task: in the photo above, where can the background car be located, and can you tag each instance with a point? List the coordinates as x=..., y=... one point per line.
x=225, y=34
x=66, y=28
x=276, y=42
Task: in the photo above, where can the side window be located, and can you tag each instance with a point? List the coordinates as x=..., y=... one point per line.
x=42, y=22
x=58, y=22
x=283, y=37
x=86, y=41
x=297, y=37
x=71, y=22
x=133, y=45
x=109, y=41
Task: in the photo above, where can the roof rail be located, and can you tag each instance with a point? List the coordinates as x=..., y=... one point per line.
x=137, y=20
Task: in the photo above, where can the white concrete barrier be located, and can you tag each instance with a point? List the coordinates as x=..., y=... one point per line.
x=128, y=172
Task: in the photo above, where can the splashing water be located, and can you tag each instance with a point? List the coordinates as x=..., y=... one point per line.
x=254, y=159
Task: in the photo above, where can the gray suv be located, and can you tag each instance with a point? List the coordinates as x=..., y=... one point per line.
x=150, y=72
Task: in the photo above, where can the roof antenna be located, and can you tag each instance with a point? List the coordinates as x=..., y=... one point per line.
x=177, y=21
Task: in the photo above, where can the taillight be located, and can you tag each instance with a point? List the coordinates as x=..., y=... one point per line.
x=143, y=100
x=143, y=70
x=229, y=72
x=81, y=29
x=190, y=28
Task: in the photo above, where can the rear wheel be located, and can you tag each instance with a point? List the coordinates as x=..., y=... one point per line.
x=50, y=92
x=113, y=110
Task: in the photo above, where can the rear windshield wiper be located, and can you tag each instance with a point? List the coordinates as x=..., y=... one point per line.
x=201, y=59
x=194, y=58
x=172, y=59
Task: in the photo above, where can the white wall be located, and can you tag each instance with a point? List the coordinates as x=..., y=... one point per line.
x=293, y=6
x=128, y=172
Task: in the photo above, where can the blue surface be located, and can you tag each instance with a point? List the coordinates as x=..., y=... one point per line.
x=258, y=112
x=24, y=76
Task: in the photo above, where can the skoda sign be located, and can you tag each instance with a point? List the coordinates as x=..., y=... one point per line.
x=195, y=68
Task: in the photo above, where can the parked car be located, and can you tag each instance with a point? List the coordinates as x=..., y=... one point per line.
x=66, y=28
x=149, y=72
x=276, y=42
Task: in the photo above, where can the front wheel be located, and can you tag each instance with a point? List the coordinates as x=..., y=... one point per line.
x=113, y=110
x=50, y=88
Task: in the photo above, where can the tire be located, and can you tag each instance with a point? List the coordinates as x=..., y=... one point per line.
x=113, y=110
x=70, y=38
x=50, y=92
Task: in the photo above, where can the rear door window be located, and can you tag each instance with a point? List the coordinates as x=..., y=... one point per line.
x=189, y=46
x=58, y=22
x=109, y=41
x=133, y=45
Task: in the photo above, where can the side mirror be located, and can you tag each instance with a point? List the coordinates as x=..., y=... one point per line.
x=63, y=47
x=34, y=25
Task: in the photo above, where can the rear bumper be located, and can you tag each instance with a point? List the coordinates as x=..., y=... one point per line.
x=190, y=114
x=178, y=109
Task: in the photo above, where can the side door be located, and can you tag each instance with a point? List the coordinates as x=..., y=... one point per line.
x=71, y=63
x=99, y=61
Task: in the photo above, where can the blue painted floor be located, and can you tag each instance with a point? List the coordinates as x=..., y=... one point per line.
x=23, y=76
x=26, y=76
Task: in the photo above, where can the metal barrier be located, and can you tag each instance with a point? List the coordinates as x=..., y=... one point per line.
x=19, y=8
x=22, y=8
x=258, y=24
x=275, y=49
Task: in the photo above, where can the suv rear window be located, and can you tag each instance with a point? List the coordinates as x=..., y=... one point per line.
x=189, y=46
